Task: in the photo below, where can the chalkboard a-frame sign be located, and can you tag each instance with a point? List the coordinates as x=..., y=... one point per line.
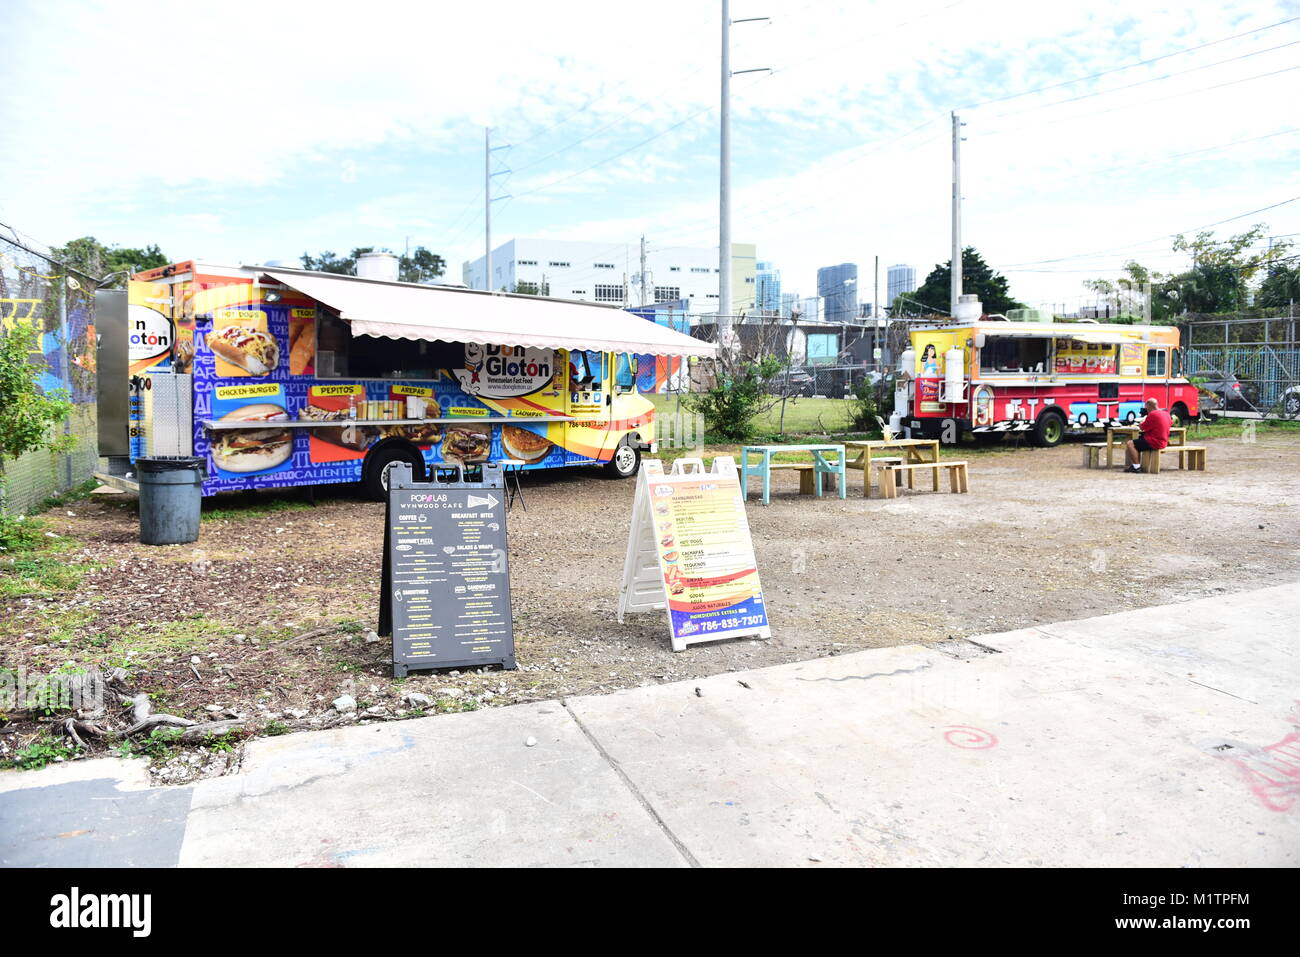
x=446, y=583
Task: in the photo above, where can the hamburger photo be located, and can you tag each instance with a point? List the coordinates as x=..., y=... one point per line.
x=253, y=449
x=463, y=445
x=252, y=350
x=525, y=445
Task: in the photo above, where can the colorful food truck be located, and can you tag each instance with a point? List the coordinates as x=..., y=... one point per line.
x=994, y=376
x=283, y=377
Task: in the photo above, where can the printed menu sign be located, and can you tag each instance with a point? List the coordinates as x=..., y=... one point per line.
x=446, y=580
x=694, y=525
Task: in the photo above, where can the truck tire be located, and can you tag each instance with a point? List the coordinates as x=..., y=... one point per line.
x=625, y=462
x=374, y=477
x=1181, y=416
x=1049, y=430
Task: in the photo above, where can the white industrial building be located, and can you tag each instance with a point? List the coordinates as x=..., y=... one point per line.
x=611, y=272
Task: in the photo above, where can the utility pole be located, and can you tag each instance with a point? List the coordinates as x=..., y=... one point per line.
x=875, y=296
x=488, y=200
x=956, y=213
x=724, y=185
x=643, y=269
x=724, y=176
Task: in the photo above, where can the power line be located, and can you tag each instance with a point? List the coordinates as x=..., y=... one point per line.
x=1129, y=66
x=1129, y=106
x=1253, y=212
x=1154, y=79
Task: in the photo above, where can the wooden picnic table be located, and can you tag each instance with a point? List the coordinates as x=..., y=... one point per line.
x=1177, y=436
x=757, y=460
x=914, y=451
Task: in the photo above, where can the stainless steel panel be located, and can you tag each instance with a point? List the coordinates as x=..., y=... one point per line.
x=111, y=372
x=169, y=414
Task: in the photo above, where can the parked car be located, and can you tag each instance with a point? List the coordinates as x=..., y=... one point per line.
x=1231, y=393
x=1290, y=401
x=796, y=382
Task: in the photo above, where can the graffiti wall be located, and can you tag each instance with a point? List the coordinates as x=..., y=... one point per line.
x=33, y=293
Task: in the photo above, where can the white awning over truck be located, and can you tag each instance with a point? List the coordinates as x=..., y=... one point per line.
x=446, y=314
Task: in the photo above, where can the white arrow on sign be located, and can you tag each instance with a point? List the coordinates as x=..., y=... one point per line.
x=490, y=501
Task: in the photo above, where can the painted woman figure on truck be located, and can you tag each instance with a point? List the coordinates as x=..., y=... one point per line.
x=930, y=360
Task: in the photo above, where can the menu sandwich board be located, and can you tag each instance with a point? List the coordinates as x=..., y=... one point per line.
x=690, y=552
x=445, y=596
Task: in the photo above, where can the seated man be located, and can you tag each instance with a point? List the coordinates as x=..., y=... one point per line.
x=1155, y=435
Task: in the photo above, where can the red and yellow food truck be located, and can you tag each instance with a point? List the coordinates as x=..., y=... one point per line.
x=992, y=376
x=284, y=377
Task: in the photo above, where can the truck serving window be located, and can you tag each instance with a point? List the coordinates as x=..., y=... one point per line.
x=342, y=356
x=1156, y=362
x=1013, y=354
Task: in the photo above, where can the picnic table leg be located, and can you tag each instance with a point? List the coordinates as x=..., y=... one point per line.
x=887, y=483
x=767, y=478
x=867, y=469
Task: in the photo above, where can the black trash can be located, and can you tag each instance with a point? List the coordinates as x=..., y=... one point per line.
x=171, y=498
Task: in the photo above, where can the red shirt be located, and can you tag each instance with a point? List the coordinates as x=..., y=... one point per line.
x=1155, y=428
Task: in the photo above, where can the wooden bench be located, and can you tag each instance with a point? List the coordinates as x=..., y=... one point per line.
x=1190, y=457
x=1092, y=454
x=957, y=476
x=807, y=476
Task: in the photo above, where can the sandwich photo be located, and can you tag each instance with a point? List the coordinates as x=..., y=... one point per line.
x=253, y=449
x=252, y=350
x=463, y=446
x=426, y=433
x=355, y=437
x=524, y=445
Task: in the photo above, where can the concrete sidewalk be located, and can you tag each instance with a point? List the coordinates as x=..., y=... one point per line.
x=1162, y=737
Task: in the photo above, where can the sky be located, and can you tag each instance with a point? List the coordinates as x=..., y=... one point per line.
x=243, y=132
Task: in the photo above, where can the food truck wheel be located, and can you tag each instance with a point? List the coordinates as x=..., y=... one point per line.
x=626, y=461
x=1049, y=430
x=375, y=476
x=1180, y=414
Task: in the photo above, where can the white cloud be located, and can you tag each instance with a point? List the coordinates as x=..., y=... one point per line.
x=252, y=129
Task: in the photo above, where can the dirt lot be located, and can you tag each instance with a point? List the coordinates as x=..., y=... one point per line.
x=266, y=616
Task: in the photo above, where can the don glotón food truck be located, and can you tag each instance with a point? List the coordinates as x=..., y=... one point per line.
x=283, y=377
x=989, y=376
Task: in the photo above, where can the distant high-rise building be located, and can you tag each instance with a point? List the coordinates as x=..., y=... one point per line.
x=767, y=291
x=838, y=287
x=901, y=279
x=789, y=301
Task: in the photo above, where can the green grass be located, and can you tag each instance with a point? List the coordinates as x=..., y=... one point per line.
x=236, y=506
x=802, y=416
x=38, y=754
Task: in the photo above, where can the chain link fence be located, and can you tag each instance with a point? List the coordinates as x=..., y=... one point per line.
x=37, y=292
x=1250, y=365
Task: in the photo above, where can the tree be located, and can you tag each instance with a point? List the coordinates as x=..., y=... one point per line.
x=976, y=277
x=1280, y=288
x=91, y=257
x=420, y=266
x=1219, y=278
x=27, y=413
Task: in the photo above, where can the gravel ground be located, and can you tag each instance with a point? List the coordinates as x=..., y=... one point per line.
x=266, y=616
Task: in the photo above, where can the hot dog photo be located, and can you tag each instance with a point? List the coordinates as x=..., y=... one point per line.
x=253, y=351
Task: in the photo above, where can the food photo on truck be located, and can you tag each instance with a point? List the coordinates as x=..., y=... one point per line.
x=280, y=377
